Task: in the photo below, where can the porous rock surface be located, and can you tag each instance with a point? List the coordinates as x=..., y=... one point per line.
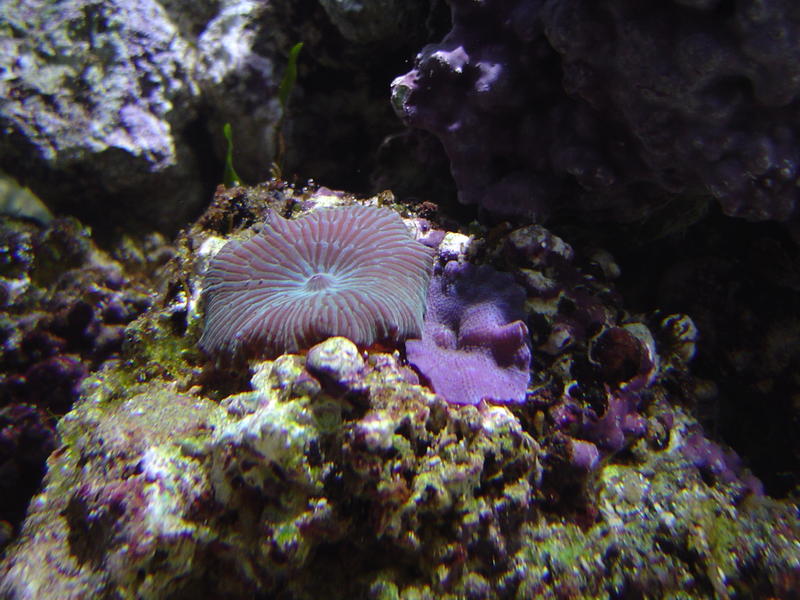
x=176, y=477
x=100, y=88
x=158, y=491
x=111, y=93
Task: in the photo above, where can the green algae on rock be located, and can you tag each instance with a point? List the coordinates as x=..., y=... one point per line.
x=660, y=527
x=120, y=493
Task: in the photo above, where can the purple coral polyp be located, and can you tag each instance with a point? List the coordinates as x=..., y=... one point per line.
x=474, y=344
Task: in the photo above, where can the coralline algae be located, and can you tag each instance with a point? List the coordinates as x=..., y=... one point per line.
x=565, y=106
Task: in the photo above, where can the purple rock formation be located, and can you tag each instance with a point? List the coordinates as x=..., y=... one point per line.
x=719, y=463
x=618, y=424
x=474, y=344
x=607, y=109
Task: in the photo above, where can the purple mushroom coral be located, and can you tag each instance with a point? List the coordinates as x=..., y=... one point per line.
x=474, y=344
x=353, y=271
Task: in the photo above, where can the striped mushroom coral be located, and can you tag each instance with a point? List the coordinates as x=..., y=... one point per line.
x=351, y=271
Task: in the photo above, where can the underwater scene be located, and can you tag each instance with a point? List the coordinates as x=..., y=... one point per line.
x=399, y=299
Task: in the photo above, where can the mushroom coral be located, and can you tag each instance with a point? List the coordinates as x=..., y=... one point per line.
x=351, y=271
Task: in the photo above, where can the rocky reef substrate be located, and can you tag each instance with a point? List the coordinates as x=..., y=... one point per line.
x=175, y=475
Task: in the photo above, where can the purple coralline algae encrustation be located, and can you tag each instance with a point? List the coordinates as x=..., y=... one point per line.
x=569, y=106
